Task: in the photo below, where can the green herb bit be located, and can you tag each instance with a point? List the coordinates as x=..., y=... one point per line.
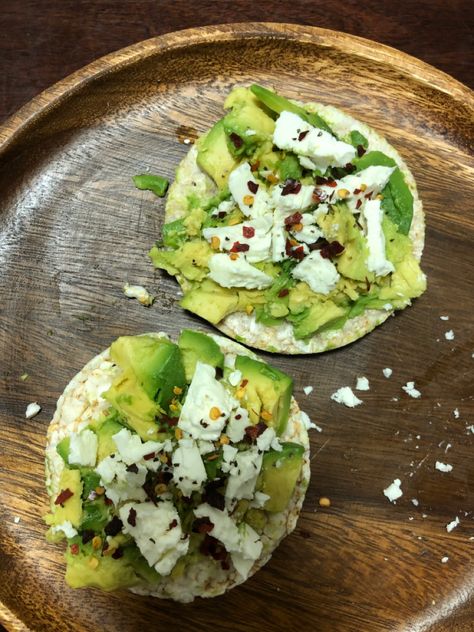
x=147, y=182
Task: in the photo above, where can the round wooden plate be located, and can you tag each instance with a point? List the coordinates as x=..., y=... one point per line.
x=74, y=229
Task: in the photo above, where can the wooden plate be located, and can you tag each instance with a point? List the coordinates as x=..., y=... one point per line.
x=74, y=229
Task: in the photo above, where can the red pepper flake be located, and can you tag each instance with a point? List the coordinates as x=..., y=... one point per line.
x=358, y=203
x=252, y=432
x=321, y=180
x=357, y=191
x=243, y=384
x=293, y=219
x=236, y=140
x=173, y=524
x=283, y=292
x=248, y=231
x=132, y=517
x=319, y=196
x=331, y=183
x=202, y=525
x=113, y=527
x=63, y=496
x=87, y=536
x=149, y=456
x=107, y=501
x=118, y=553
x=368, y=195
x=255, y=167
x=252, y=186
x=238, y=247
x=360, y=150
x=171, y=421
x=298, y=253
x=225, y=565
x=350, y=168
x=291, y=187
x=132, y=468
x=303, y=135
x=74, y=549
x=331, y=250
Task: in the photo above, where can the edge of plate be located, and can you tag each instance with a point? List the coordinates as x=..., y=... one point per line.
x=185, y=38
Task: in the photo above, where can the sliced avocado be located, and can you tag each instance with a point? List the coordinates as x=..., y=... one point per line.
x=210, y=301
x=214, y=156
x=196, y=346
x=154, y=362
x=174, y=233
x=95, y=515
x=268, y=390
x=408, y=281
x=190, y=259
x=109, y=574
x=279, y=474
x=70, y=509
x=135, y=407
x=246, y=121
x=289, y=167
x=62, y=449
x=106, y=444
x=314, y=317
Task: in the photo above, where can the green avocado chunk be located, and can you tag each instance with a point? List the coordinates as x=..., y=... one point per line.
x=278, y=104
x=214, y=156
x=147, y=182
x=279, y=474
x=62, y=449
x=106, y=444
x=268, y=390
x=196, y=346
x=315, y=317
x=210, y=301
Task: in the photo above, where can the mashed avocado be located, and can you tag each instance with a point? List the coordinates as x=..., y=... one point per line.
x=307, y=227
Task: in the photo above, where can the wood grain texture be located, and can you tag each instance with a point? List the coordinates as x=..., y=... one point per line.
x=74, y=229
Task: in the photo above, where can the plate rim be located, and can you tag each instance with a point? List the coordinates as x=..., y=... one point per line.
x=55, y=94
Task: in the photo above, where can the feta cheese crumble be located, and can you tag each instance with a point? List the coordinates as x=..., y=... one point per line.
x=251, y=204
x=320, y=274
x=160, y=543
x=307, y=390
x=444, y=317
x=83, y=448
x=259, y=242
x=443, y=467
x=377, y=261
x=66, y=528
x=444, y=559
x=140, y=293
x=387, y=372
x=362, y=384
x=453, y=524
x=410, y=390
x=345, y=395
x=456, y=413
x=32, y=410
x=238, y=272
x=449, y=335
x=393, y=491
x=189, y=472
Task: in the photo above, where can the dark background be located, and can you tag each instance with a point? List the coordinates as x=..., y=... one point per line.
x=43, y=41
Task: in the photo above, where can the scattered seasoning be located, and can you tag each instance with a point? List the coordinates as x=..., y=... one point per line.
x=63, y=496
x=202, y=525
x=173, y=524
x=291, y=187
x=360, y=150
x=254, y=167
x=248, y=200
x=177, y=390
x=113, y=527
x=296, y=218
x=266, y=415
x=149, y=456
x=302, y=135
x=332, y=249
x=234, y=256
x=74, y=548
x=178, y=433
x=118, y=553
x=252, y=186
x=238, y=247
x=99, y=491
x=254, y=431
x=249, y=309
x=96, y=542
x=132, y=517
x=248, y=232
x=283, y=292
x=214, y=413
x=236, y=140
x=215, y=242
x=224, y=439
x=87, y=536
x=132, y=468
x=324, y=502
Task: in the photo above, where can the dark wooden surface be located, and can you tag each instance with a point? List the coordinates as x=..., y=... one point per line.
x=45, y=40
x=74, y=229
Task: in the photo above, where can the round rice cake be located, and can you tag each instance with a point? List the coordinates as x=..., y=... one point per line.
x=81, y=405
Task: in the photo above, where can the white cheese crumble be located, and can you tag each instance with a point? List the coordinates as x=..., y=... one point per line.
x=243, y=472
x=443, y=467
x=387, y=372
x=239, y=420
x=66, y=527
x=307, y=390
x=228, y=272
x=444, y=317
x=292, y=202
x=160, y=543
x=83, y=448
x=32, y=410
x=259, y=243
x=16, y=519
x=204, y=396
x=267, y=440
x=120, y=483
x=131, y=448
x=320, y=274
x=456, y=413
x=453, y=524
x=139, y=292
x=410, y=390
x=415, y=502
x=362, y=384
x=444, y=559
x=224, y=207
x=345, y=395
x=239, y=180
x=449, y=335
x=321, y=147
x=393, y=491
x=377, y=261
x=189, y=472
x=235, y=377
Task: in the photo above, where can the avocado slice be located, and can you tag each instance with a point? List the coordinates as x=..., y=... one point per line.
x=109, y=574
x=154, y=362
x=279, y=474
x=316, y=316
x=210, y=301
x=106, y=444
x=214, y=156
x=62, y=448
x=268, y=390
x=196, y=346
